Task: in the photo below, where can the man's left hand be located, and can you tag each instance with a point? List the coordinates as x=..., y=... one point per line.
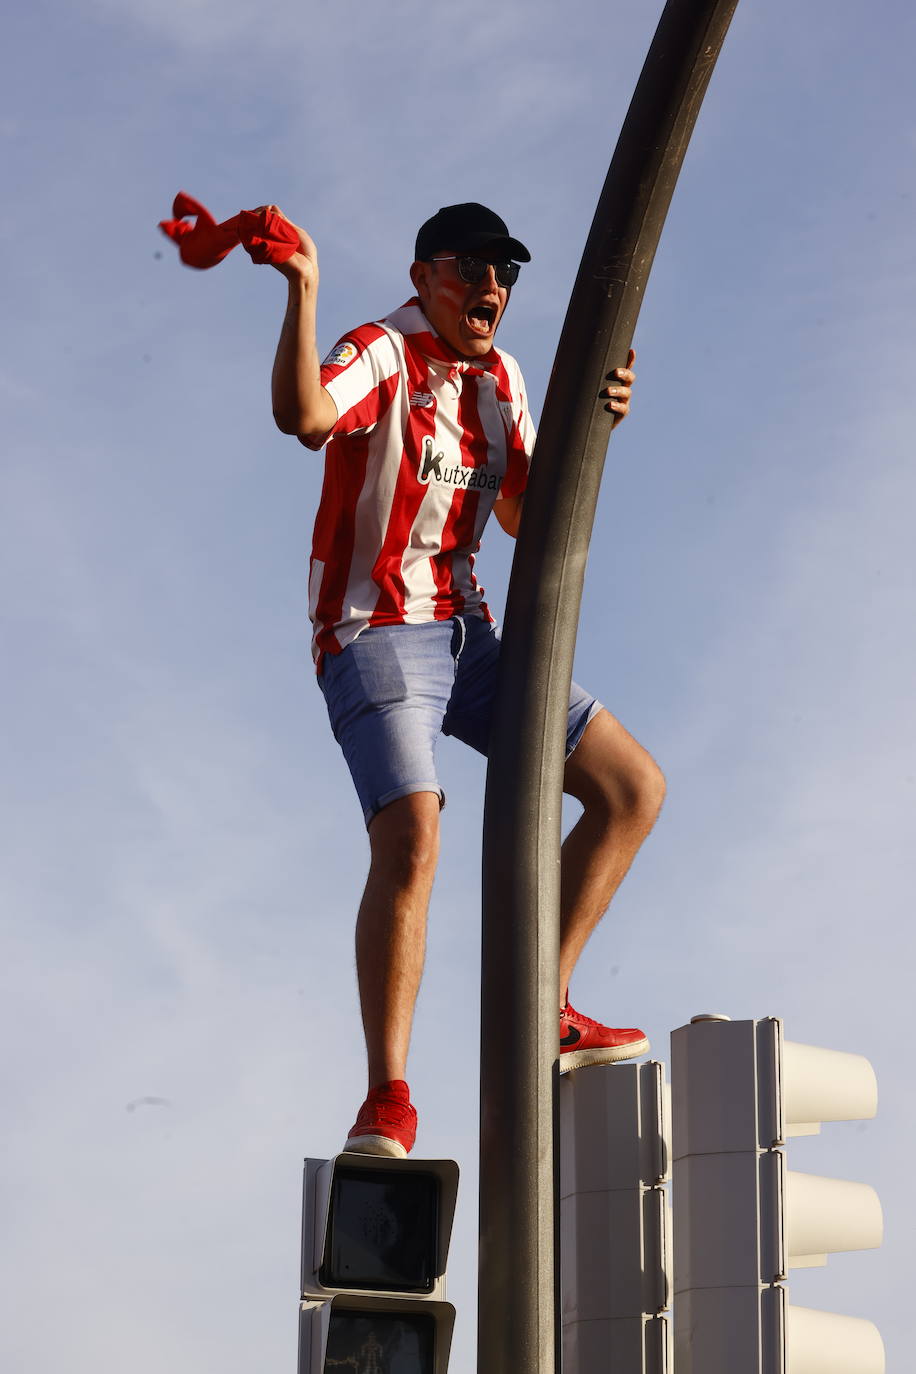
x=621, y=381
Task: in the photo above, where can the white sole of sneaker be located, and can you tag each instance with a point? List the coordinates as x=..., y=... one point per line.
x=611, y=1054
x=375, y=1145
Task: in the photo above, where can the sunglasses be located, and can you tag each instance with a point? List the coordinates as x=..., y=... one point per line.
x=473, y=270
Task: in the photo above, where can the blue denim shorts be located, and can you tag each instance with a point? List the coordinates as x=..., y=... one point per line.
x=392, y=691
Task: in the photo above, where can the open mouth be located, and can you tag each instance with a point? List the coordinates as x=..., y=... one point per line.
x=481, y=318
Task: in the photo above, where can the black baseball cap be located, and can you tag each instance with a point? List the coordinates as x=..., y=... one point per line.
x=468, y=228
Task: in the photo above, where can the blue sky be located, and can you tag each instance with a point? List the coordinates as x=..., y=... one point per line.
x=184, y=855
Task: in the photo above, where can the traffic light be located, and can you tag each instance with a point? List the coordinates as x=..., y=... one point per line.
x=375, y=1236
x=614, y=1229
x=742, y=1219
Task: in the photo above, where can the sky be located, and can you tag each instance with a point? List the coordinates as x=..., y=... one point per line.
x=184, y=852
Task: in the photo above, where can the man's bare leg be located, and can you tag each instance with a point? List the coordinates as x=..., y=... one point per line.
x=621, y=789
x=391, y=928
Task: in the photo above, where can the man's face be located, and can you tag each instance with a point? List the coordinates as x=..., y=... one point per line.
x=464, y=315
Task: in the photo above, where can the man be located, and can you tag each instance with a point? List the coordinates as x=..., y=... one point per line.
x=428, y=430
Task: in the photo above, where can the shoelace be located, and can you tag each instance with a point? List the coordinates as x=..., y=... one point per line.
x=569, y=1013
x=387, y=1111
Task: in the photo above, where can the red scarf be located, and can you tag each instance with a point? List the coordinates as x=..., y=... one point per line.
x=266, y=236
x=430, y=345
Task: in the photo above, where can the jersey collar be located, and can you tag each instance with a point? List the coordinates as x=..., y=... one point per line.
x=418, y=331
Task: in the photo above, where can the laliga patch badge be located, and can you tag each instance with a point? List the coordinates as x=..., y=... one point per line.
x=342, y=354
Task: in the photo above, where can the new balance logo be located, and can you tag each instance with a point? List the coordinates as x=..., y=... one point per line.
x=421, y=399
x=432, y=469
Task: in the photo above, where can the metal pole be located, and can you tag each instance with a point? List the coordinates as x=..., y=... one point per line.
x=522, y=815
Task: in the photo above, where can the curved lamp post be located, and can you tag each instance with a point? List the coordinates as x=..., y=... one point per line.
x=522, y=816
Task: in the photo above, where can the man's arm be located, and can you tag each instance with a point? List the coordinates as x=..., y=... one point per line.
x=508, y=512
x=300, y=403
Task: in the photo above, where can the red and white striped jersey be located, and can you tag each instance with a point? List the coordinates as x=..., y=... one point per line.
x=424, y=444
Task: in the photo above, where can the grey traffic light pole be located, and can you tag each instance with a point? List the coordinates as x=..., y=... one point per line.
x=522, y=815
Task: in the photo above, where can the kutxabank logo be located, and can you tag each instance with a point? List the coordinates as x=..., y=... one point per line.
x=433, y=469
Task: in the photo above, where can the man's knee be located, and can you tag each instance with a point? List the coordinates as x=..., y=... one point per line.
x=648, y=789
x=611, y=772
x=631, y=789
x=404, y=837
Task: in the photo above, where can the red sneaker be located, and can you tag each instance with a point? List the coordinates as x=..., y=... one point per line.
x=387, y=1123
x=584, y=1041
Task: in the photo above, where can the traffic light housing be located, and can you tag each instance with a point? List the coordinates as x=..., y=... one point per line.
x=375, y=1237
x=615, y=1261
x=742, y=1219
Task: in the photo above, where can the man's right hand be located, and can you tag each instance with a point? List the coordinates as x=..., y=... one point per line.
x=303, y=265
